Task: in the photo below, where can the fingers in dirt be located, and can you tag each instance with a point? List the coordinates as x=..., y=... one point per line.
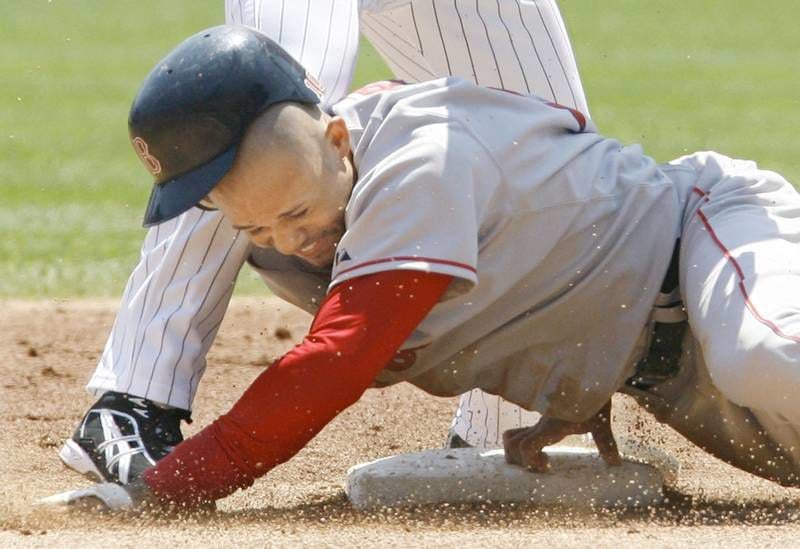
x=604, y=437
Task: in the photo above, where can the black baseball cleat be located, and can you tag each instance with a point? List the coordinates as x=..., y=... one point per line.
x=121, y=436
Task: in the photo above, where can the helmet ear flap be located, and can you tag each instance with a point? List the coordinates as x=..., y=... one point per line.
x=195, y=105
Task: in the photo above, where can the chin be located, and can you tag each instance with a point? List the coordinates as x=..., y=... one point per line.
x=326, y=254
x=321, y=261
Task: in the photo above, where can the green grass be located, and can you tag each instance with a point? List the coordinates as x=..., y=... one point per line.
x=674, y=75
x=680, y=76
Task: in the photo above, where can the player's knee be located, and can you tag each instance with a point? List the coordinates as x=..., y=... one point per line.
x=764, y=374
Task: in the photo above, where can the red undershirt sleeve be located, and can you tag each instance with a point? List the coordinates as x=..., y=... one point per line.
x=358, y=329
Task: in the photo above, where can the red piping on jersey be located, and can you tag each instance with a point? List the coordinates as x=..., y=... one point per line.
x=579, y=117
x=702, y=193
x=740, y=273
x=409, y=258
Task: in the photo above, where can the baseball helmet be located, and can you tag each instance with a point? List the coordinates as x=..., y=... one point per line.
x=194, y=107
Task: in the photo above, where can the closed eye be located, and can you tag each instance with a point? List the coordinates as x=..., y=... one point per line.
x=299, y=214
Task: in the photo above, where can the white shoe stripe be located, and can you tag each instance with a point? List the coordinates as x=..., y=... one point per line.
x=118, y=449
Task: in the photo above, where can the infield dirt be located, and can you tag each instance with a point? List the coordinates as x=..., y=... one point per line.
x=49, y=348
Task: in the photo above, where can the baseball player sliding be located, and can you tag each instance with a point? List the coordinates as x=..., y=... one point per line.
x=177, y=295
x=459, y=256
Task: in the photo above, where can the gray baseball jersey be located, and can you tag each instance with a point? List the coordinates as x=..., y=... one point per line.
x=558, y=240
x=545, y=226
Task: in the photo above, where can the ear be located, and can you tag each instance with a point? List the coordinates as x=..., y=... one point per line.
x=338, y=135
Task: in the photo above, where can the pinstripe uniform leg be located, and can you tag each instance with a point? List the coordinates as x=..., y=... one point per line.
x=173, y=304
x=178, y=293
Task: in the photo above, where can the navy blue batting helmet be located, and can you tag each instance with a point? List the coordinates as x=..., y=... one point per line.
x=196, y=104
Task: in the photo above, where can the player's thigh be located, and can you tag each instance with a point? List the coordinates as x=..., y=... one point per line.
x=740, y=264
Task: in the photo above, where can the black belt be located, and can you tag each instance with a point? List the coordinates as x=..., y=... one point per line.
x=664, y=354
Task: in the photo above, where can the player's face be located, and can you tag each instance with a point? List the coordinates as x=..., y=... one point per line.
x=292, y=202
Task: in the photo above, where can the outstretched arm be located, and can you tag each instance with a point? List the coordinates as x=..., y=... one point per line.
x=358, y=329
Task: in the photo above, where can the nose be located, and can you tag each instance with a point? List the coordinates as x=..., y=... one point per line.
x=289, y=241
x=262, y=239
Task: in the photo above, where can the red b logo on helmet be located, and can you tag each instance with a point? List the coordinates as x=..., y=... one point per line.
x=150, y=162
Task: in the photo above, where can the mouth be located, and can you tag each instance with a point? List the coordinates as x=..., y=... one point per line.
x=310, y=248
x=320, y=250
